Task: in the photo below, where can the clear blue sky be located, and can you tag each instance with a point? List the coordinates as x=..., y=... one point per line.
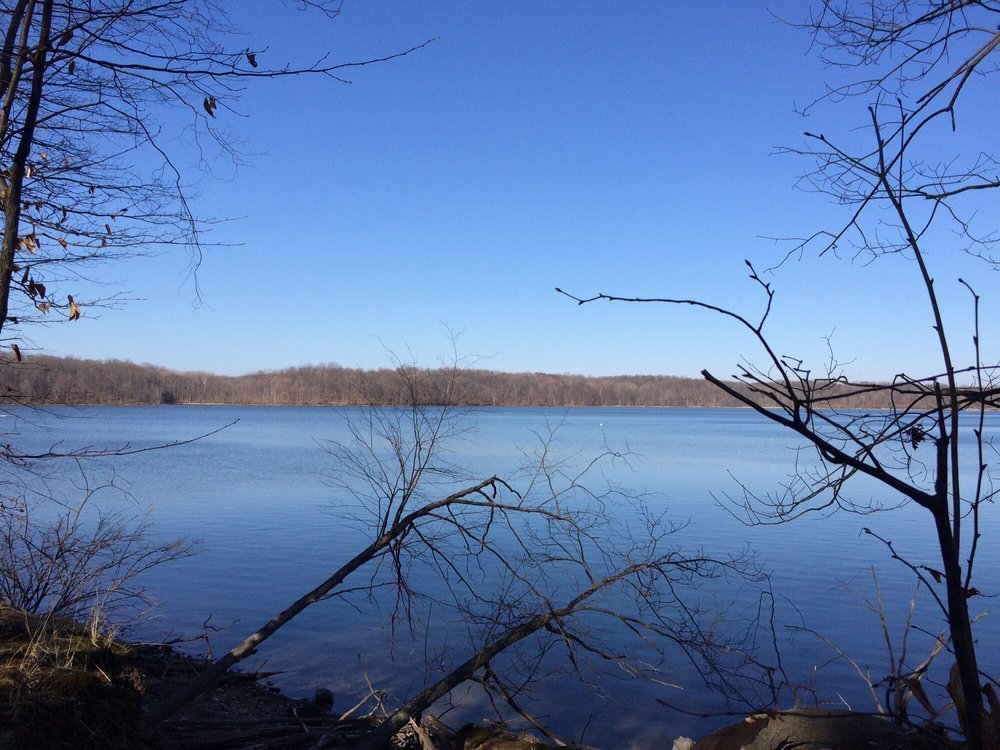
x=617, y=147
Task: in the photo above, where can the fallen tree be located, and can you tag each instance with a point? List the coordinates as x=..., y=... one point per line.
x=540, y=565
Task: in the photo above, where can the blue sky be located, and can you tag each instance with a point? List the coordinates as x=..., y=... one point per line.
x=610, y=147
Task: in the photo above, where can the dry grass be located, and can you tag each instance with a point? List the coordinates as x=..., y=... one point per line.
x=63, y=685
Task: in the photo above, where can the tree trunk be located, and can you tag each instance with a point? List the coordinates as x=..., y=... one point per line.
x=961, y=634
x=12, y=194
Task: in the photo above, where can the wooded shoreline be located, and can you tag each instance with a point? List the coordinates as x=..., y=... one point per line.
x=82, y=382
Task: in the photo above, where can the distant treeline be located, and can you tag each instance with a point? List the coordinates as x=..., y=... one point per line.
x=57, y=380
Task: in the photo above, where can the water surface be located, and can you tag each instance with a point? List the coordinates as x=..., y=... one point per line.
x=256, y=496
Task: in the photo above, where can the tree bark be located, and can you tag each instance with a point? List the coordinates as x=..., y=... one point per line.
x=12, y=192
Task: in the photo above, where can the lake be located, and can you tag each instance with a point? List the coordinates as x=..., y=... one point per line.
x=270, y=525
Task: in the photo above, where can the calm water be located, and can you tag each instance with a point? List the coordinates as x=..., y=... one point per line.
x=256, y=498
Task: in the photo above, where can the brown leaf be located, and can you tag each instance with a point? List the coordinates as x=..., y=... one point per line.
x=24, y=277
x=915, y=687
x=74, y=309
x=44, y=155
x=17, y=351
x=972, y=591
x=991, y=722
x=957, y=697
x=40, y=288
x=62, y=241
x=991, y=697
x=15, y=268
x=72, y=67
x=937, y=574
x=252, y=59
x=29, y=170
x=107, y=228
x=210, y=104
x=43, y=307
x=64, y=39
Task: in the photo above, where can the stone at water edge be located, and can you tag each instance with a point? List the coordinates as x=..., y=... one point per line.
x=323, y=698
x=812, y=728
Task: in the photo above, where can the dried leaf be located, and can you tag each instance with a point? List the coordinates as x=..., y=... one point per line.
x=65, y=213
x=29, y=170
x=44, y=307
x=41, y=289
x=937, y=574
x=24, y=277
x=991, y=697
x=44, y=155
x=972, y=591
x=74, y=309
x=72, y=67
x=64, y=39
x=991, y=722
x=917, y=688
x=62, y=241
x=957, y=697
x=38, y=206
x=252, y=59
x=15, y=268
x=210, y=104
x=107, y=228
x=17, y=351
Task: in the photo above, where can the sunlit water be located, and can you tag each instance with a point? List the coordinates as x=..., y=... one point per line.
x=254, y=495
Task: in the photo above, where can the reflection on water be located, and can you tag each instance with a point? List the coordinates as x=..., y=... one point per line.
x=254, y=495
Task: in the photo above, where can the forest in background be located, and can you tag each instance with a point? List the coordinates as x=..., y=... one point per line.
x=45, y=379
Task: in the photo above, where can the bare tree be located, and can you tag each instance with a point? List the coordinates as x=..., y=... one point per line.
x=100, y=101
x=529, y=566
x=88, y=161
x=909, y=190
x=75, y=558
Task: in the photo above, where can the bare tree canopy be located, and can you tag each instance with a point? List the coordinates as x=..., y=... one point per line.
x=909, y=73
x=914, y=178
x=98, y=96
